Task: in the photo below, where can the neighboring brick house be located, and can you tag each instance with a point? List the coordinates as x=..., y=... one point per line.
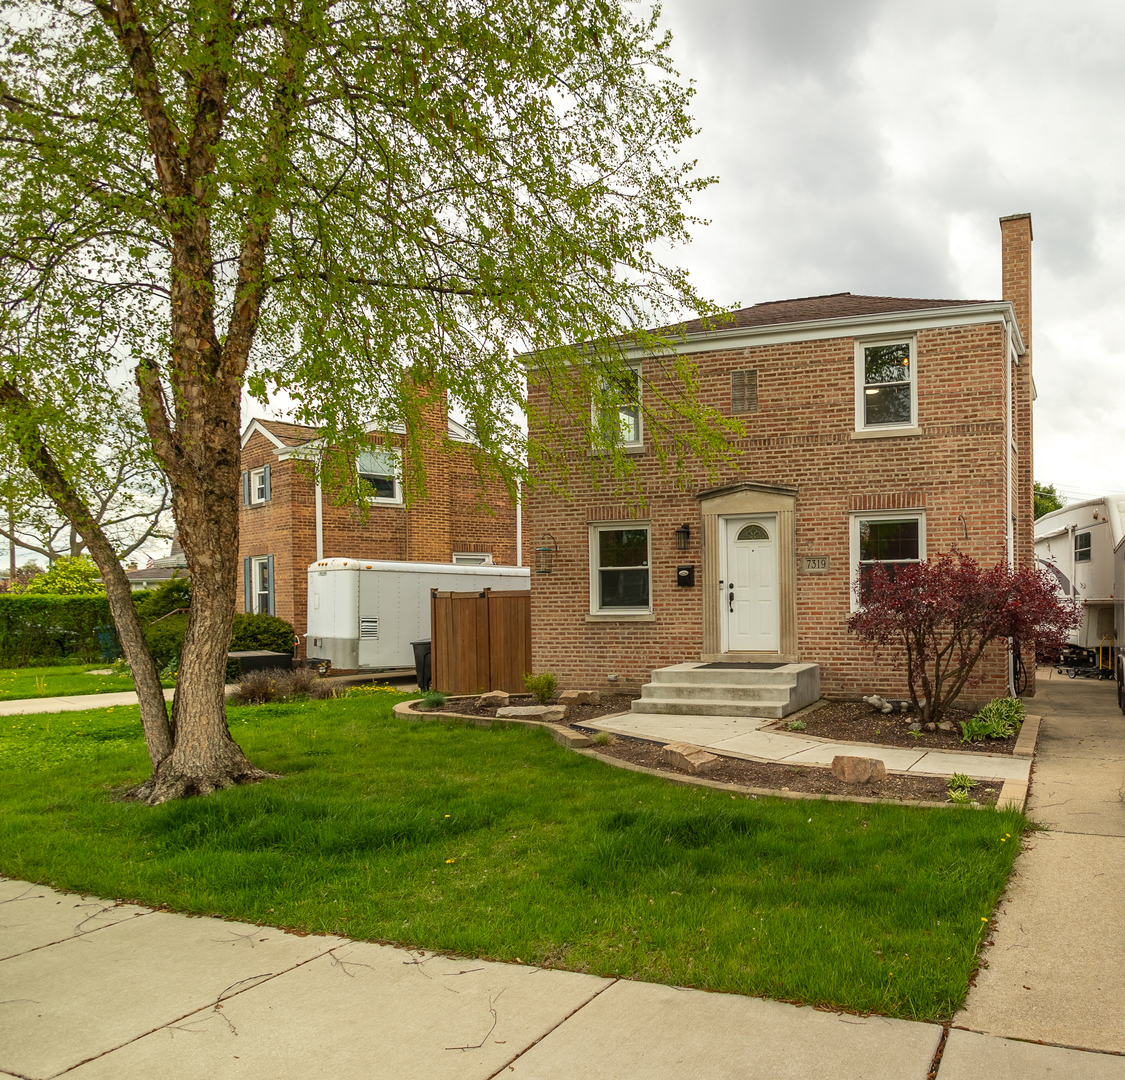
x=288, y=522
x=875, y=429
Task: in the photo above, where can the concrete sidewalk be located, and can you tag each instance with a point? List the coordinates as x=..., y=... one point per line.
x=28, y=706
x=746, y=737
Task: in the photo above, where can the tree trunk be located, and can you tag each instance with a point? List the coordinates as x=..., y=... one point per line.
x=205, y=501
x=37, y=458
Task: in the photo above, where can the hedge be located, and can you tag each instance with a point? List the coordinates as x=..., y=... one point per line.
x=47, y=627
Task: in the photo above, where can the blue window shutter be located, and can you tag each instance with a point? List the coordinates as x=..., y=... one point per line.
x=248, y=584
x=267, y=487
x=245, y=487
x=269, y=574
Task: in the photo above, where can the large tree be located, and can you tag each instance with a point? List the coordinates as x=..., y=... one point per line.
x=370, y=205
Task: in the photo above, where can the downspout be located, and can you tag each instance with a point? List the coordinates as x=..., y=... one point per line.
x=319, y=522
x=519, y=525
x=1009, y=532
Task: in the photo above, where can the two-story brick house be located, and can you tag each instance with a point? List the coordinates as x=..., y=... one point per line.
x=288, y=522
x=876, y=429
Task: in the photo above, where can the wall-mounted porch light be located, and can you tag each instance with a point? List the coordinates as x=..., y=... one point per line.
x=683, y=535
x=545, y=554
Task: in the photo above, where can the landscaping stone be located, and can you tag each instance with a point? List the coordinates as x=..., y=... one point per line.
x=494, y=699
x=916, y=726
x=580, y=697
x=569, y=737
x=946, y=725
x=549, y=714
x=858, y=770
x=692, y=758
x=931, y=727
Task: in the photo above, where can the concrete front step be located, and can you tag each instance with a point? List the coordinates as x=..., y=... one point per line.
x=693, y=689
x=714, y=691
x=773, y=710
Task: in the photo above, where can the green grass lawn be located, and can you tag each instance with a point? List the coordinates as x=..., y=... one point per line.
x=499, y=843
x=38, y=682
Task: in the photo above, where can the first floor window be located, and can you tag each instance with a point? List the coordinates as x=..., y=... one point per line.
x=887, y=540
x=622, y=575
x=379, y=470
x=472, y=558
x=258, y=574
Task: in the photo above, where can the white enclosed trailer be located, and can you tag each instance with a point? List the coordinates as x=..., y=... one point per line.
x=1077, y=546
x=364, y=614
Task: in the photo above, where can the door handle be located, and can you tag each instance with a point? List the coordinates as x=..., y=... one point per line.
x=730, y=597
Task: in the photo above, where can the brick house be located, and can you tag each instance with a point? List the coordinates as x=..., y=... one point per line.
x=876, y=429
x=288, y=522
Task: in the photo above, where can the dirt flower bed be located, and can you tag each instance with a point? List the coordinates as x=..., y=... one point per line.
x=856, y=721
x=801, y=778
x=610, y=703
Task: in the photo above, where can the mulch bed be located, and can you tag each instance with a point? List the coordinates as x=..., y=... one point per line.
x=800, y=778
x=610, y=703
x=856, y=721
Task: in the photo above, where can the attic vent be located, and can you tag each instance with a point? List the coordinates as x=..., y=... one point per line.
x=368, y=628
x=743, y=391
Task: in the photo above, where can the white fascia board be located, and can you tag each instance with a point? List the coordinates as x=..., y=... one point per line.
x=255, y=426
x=903, y=322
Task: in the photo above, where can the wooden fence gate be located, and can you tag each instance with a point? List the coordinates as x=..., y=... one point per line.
x=480, y=640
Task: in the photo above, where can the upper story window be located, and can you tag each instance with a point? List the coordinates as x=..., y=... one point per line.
x=886, y=384
x=620, y=571
x=256, y=486
x=1082, y=547
x=620, y=418
x=381, y=472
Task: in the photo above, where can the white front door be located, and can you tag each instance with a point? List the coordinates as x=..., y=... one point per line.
x=750, y=592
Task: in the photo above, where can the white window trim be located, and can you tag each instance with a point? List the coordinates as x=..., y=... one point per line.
x=595, y=583
x=860, y=373
x=639, y=441
x=857, y=516
x=257, y=479
x=380, y=448
x=256, y=565
x=472, y=558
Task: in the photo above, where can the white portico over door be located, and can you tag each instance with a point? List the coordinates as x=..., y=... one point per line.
x=749, y=583
x=761, y=624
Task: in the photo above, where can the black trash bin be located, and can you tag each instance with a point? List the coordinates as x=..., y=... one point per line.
x=422, y=662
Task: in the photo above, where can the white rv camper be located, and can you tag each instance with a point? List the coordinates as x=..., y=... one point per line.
x=1076, y=545
x=363, y=614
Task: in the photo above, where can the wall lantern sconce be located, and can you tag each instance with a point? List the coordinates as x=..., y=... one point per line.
x=545, y=554
x=964, y=525
x=683, y=535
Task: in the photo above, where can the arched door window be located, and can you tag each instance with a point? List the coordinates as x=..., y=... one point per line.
x=753, y=531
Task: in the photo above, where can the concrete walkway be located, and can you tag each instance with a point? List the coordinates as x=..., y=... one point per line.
x=1056, y=965
x=27, y=706
x=744, y=737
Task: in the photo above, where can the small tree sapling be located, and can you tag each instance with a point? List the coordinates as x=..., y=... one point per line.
x=938, y=617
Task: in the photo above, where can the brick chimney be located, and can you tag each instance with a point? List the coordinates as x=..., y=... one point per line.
x=1015, y=239
x=428, y=521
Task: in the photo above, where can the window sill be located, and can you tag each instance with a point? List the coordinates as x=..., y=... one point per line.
x=633, y=451
x=886, y=433
x=646, y=616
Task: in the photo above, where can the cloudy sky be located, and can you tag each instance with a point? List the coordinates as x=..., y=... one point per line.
x=869, y=146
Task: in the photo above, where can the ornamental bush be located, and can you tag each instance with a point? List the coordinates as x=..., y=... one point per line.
x=936, y=618
x=45, y=627
x=261, y=632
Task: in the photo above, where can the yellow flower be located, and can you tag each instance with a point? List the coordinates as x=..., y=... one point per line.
x=447, y=815
x=448, y=861
x=983, y=919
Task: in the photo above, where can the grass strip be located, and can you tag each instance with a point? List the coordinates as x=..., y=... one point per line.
x=39, y=682
x=498, y=843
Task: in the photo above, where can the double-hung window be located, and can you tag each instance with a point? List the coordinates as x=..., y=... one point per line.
x=887, y=540
x=621, y=577
x=1082, y=547
x=256, y=486
x=886, y=385
x=381, y=471
x=258, y=575
x=618, y=418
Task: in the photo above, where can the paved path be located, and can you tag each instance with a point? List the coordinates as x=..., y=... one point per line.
x=24, y=706
x=1056, y=967
x=744, y=737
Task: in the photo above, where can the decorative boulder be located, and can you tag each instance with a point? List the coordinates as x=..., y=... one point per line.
x=494, y=699
x=694, y=759
x=580, y=697
x=858, y=770
x=550, y=714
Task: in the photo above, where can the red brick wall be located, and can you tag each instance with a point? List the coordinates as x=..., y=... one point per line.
x=453, y=517
x=800, y=436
